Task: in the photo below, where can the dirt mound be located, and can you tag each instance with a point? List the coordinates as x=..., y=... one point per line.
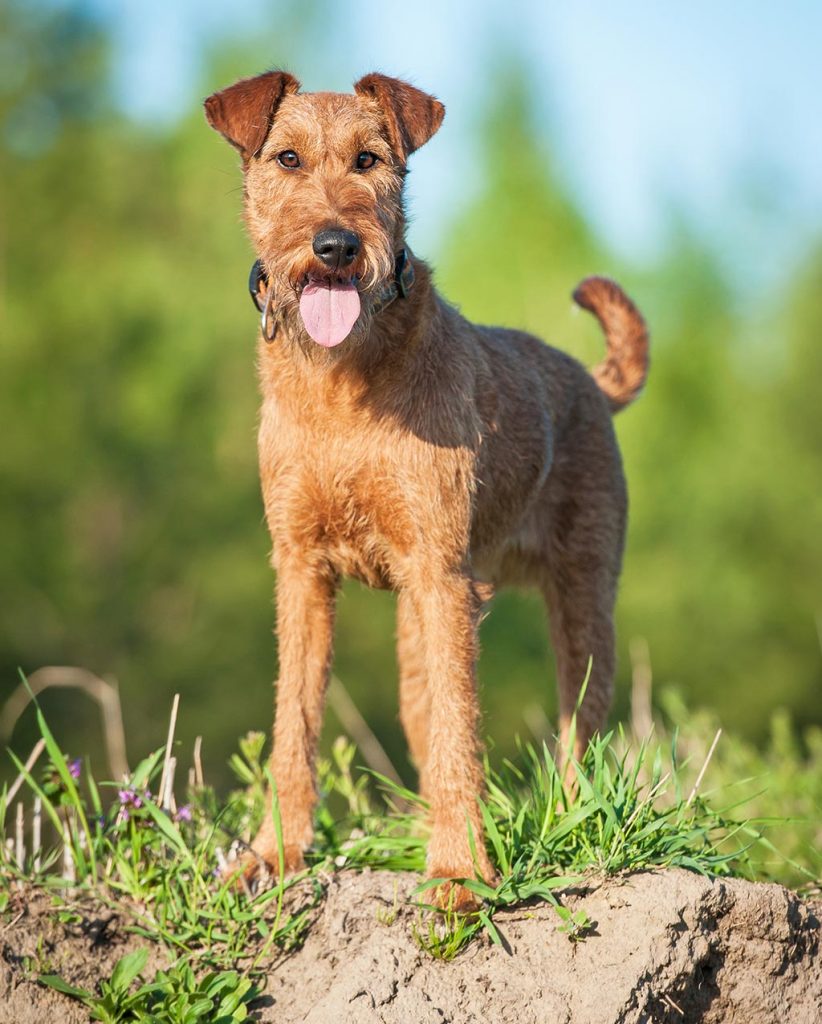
x=665, y=947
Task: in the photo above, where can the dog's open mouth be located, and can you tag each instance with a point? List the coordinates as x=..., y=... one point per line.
x=329, y=309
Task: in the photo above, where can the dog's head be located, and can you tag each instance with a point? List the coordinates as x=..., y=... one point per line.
x=324, y=177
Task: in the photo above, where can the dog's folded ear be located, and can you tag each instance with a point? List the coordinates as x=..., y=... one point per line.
x=411, y=116
x=244, y=112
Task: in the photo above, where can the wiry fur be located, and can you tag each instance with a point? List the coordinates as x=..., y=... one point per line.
x=424, y=454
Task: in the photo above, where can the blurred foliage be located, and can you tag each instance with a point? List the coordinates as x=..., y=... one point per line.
x=133, y=541
x=776, y=786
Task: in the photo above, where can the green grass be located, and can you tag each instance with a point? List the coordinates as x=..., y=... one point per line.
x=634, y=808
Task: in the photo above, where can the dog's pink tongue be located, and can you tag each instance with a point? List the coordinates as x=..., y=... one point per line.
x=329, y=311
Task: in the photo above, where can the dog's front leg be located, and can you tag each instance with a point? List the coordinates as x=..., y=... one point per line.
x=305, y=623
x=448, y=612
x=415, y=698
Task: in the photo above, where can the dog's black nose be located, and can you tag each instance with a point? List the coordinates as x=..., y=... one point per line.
x=336, y=247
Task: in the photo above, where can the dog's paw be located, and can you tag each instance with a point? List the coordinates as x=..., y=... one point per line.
x=451, y=856
x=258, y=867
x=451, y=897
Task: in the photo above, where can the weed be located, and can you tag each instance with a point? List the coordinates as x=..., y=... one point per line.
x=443, y=934
x=389, y=915
x=175, y=996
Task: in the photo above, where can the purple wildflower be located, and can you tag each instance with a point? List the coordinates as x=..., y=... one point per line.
x=183, y=813
x=129, y=798
x=74, y=767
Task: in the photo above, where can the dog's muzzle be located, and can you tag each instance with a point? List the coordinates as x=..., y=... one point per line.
x=262, y=292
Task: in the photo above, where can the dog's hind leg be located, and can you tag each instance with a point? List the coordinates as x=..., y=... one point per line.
x=580, y=582
x=582, y=634
x=415, y=699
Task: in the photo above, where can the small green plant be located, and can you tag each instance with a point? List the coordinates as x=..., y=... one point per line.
x=40, y=962
x=388, y=915
x=444, y=934
x=114, y=1002
x=175, y=996
x=575, y=923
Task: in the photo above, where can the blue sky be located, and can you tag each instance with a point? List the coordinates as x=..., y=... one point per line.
x=714, y=108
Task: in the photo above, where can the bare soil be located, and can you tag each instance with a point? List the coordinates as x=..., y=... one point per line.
x=666, y=946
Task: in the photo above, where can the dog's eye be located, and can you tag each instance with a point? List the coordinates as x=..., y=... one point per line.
x=365, y=160
x=288, y=158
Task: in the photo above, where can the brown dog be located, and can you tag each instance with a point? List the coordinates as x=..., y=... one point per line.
x=404, y=446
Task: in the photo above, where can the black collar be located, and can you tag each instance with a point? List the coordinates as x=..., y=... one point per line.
x=399, y=286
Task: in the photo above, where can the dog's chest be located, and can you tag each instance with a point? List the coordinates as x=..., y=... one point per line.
x=336, y=496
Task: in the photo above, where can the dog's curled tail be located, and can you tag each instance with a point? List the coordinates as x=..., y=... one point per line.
x=621, y=374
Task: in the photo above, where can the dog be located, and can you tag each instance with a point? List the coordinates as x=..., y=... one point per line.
x=406, y=447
